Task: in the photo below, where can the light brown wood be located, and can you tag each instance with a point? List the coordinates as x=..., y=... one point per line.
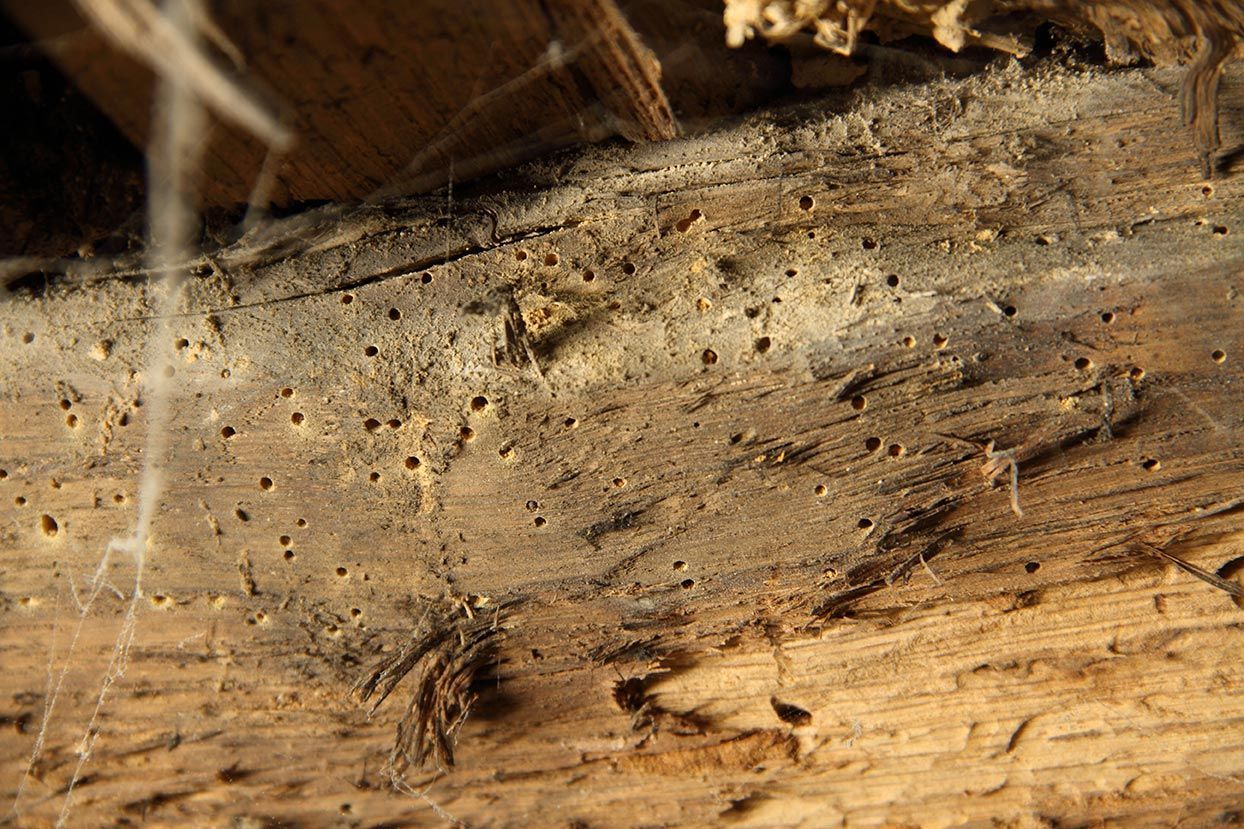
x=726, y=512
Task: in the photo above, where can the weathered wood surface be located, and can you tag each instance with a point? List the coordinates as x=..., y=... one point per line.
x=720, y=508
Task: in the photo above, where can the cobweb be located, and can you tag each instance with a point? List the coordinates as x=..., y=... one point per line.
x=179, y=121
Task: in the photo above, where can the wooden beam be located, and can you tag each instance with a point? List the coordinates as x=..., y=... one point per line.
x=705, y=448
x=392, y=95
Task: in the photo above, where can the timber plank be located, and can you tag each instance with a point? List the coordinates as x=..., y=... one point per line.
x=655, y=487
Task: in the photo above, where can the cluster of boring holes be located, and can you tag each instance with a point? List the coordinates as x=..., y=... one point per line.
x=551, y=259
x=287, y=542
x=534, y=506
x=894, y=450
x=371, y=424
x=296, y=418
x=71, y=419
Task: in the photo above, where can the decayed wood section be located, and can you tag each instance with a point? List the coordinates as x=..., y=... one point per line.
x=1204, y=33
x=671, y=486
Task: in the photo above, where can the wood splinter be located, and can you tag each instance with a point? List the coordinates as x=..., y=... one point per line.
x=997, y=460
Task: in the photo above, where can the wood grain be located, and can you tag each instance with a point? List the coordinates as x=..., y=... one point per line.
x=395, y=95
x=700, y=429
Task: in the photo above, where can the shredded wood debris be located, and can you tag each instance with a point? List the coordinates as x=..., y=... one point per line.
x=445, y=652
x=1205, y=35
